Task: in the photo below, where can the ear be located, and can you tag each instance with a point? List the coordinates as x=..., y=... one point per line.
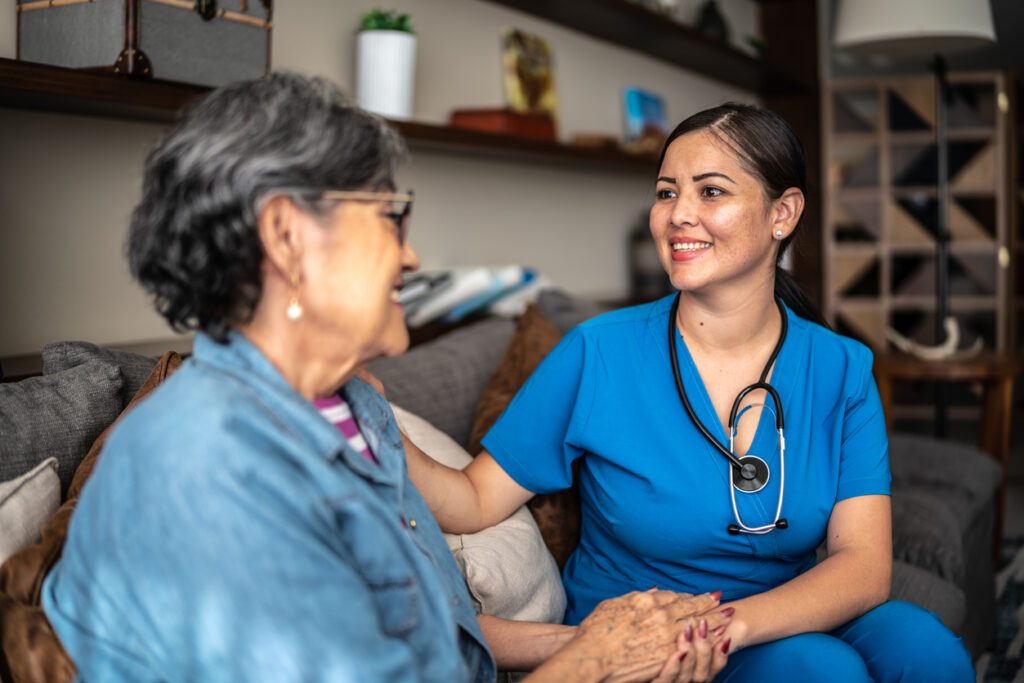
x=280, y=229
x=786, y=212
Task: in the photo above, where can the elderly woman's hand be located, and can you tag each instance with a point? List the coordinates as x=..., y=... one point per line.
x=657, y=635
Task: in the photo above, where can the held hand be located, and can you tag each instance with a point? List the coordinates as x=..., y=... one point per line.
x=634, y=635
x=702, y=653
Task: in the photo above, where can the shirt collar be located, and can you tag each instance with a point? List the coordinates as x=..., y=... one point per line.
x=241, y=359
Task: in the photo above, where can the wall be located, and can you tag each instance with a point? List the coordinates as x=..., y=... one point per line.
x=68, y=183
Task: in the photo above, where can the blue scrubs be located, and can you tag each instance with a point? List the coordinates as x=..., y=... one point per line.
x=655, y=494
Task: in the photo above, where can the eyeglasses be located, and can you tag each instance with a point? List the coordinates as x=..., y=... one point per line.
x=399, y=205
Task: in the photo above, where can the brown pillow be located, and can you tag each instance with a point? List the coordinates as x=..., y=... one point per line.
x=557, y=514
x=31, y=651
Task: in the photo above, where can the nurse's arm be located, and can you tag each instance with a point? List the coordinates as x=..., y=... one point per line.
x=464, y=501
x=855, y=578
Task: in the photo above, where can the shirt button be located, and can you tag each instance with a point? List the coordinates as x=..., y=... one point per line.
x=455, y=601
x=412, y=523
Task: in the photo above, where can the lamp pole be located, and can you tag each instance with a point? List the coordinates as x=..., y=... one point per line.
x=942, y=96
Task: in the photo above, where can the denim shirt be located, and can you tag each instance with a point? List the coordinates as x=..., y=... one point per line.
x=230, y=533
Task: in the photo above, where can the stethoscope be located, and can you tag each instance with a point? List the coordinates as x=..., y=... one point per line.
x=753, y=471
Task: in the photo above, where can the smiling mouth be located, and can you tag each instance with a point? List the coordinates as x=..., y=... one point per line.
x=690, y=246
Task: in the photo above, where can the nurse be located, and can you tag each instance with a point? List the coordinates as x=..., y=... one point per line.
x=662, y=502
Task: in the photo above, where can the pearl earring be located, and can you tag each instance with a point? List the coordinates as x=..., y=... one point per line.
x=778, y=233
x=294, y=311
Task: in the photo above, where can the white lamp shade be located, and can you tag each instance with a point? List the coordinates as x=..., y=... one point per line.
x=908, y=28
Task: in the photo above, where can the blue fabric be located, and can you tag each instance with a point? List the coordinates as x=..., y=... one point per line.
x=229, y=533
x=655, y=494
x=896, y=641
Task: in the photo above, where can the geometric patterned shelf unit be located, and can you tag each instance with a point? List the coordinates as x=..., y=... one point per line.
x=880, y=208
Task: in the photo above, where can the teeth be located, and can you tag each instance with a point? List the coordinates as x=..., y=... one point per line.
x=394, y=295
x=690, y=246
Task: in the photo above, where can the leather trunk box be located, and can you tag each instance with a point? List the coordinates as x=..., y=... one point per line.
x=204, y=42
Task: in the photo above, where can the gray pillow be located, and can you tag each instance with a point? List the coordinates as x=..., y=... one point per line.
x=57, y=415
x=964, y=477
x=441, y=381
x=566, y=311
x=25, y=505
x=924, y=532
x=135, y=369
x=945, y=599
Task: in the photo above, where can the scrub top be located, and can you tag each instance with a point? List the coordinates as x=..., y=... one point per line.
x=655, y=494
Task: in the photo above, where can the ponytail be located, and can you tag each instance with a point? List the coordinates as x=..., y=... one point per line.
x=789, y=291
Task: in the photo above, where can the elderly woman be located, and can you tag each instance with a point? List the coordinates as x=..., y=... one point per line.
x=253, y=520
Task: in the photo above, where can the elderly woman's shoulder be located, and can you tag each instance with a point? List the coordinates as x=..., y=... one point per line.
x=190, y=415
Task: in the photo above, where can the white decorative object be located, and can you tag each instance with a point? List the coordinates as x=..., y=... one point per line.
x=945, y=351
x=386, y=72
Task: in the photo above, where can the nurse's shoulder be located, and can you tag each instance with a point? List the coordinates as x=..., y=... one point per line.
x=832, y=354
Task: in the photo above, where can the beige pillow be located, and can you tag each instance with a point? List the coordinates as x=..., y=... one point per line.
x=25, y=504
x=508, y=569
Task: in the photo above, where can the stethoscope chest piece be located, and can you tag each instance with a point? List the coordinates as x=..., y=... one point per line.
x=753, y=475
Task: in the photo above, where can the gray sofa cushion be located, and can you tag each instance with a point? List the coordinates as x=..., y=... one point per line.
x=566, y=311
x=135, y=369
x=964, y=477
x=945, y=599
x=925, y=532
x=57, y=415
x=442, y=381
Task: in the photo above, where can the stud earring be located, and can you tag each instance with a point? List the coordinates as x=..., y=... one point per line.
x=294, y=311
x=778, y=234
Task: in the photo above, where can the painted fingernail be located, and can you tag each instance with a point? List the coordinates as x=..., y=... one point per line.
x=728, y=611
x=725, y=646
x=689, y=633
x=719, y=631
x=683, y=656
x=717, y=595
x=703, y=628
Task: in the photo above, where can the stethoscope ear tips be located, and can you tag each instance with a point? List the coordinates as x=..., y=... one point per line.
x=782, y=524
x=734, y=529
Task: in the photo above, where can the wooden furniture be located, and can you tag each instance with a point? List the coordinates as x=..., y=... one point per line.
x=879, y=238
x=47, y=88
x=993, y=372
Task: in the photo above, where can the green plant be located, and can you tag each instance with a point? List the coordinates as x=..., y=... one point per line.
x=385, y=20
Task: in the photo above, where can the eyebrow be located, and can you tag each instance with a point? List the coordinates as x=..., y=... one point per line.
x=698, y=178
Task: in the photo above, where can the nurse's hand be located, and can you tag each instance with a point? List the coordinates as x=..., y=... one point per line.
x=638, y=635
x=702, y=653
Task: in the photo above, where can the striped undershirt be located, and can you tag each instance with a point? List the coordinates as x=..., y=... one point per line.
x=336, y=411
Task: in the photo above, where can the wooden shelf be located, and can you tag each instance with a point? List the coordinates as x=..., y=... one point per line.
x=631, y=26
x=40, y=87
x=25, y=85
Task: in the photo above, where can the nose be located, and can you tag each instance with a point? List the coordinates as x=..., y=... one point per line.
x=682, y=212
x=410, y=259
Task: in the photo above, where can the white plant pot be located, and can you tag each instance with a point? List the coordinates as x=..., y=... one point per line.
x=385, y=72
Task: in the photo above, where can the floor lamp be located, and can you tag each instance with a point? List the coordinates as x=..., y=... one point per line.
x=922, y=29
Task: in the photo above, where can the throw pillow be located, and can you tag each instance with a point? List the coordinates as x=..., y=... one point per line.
x=21, y=576
x=557, y=514
x=58, y=416
x=924, y=533
x=135, y=369
x=565, y=310
x=509, y=572
x=25, y=504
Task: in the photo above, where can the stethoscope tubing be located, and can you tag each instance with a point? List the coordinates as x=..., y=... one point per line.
x=736, y=464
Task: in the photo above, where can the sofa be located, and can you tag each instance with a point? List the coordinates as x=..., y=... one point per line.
x=451, y=387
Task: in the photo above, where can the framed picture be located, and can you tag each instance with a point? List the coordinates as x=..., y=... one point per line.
x=529, y=73
x=644, y=115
